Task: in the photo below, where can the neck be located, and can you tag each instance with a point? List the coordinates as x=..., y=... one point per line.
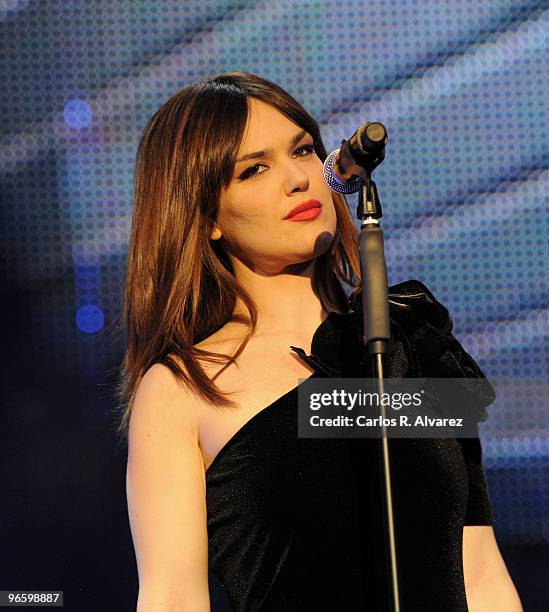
x=286, y=302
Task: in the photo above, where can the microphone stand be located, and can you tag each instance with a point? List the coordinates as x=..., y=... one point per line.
x=375, y=312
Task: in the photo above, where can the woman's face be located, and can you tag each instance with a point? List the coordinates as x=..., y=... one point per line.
x=266, y=187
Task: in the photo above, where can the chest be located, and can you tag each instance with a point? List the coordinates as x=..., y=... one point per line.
x=260, y=377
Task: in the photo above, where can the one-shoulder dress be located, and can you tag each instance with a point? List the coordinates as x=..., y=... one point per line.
x=297, y=523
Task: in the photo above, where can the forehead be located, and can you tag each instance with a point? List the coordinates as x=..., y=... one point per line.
x=264, y=126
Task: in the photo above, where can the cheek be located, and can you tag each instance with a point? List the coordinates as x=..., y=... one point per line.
x=334, y=216
x=242, y=219
x=317, y=178
x=331, y=218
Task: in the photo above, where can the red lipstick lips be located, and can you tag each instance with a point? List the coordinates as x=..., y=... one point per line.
x=302, y=208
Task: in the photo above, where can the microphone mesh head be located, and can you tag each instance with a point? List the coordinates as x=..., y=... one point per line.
x=333, y=182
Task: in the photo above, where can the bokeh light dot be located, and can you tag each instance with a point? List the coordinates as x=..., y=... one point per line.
x=90, y=319
x=77, y=114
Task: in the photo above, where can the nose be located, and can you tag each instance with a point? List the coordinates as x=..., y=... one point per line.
x=296, y=178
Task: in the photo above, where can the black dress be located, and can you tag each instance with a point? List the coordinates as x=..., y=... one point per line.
x=297, y=524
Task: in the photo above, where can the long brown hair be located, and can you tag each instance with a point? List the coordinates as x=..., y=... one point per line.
x=180, y=285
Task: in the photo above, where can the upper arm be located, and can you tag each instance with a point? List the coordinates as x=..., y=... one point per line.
x=166, y=492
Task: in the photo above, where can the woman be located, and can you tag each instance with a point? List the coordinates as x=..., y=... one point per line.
x=223, y=278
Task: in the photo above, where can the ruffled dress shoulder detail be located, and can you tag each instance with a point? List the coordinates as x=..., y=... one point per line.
x=422, y=345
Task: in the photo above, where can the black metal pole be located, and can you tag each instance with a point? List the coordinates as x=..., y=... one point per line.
x=375, y=312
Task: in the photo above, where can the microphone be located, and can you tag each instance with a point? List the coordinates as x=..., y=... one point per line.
x=346, y=169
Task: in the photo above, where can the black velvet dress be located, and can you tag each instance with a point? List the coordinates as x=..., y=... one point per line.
x=297, y=524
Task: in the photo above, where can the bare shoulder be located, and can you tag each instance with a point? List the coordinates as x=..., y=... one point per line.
x=165, y=403
x=163, y=381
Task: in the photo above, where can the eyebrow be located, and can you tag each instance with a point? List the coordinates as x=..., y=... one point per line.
x=267, y=152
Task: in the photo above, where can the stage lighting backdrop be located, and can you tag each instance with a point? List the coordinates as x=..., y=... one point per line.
x=461, y=87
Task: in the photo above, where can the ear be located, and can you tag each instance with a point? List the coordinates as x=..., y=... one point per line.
x=216, y=234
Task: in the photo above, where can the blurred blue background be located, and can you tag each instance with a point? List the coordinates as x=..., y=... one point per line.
x=461, y=87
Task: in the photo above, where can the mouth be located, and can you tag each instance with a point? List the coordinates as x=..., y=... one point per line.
x=306, y=210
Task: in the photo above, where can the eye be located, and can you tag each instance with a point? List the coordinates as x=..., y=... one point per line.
x=250, y=172
x=309, y=150
x=253, y=171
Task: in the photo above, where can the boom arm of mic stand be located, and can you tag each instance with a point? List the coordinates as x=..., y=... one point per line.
x=375, y=312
